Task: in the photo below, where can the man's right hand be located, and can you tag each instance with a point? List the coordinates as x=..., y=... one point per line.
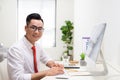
x=54, y=71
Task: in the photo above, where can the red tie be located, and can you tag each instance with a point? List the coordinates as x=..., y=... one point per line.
x=34, y=56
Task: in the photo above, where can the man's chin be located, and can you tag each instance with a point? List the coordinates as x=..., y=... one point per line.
x=36, y=39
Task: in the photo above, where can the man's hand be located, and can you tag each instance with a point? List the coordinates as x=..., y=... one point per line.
x=58, y=65
x=54, y=71
x=53, y=64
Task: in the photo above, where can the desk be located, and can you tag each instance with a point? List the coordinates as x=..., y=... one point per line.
x=112, y=75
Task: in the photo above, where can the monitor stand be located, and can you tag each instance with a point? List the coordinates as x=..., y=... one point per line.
x=105, y=70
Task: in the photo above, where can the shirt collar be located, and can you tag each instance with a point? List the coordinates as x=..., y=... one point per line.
x=27, y=43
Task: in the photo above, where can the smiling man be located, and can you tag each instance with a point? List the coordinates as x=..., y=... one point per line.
x=24, y=56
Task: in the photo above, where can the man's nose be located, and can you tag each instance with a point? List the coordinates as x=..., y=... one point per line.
x=37, y=31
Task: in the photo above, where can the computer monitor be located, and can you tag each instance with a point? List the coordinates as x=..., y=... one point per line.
x=95, y=41
x=94, y=46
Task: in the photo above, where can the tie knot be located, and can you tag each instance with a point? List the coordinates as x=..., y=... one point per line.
x=33, y=48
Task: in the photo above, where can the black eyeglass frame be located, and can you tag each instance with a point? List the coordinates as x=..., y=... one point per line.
x=34, y=28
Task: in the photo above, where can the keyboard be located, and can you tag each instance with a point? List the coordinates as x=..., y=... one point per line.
x=63, y=76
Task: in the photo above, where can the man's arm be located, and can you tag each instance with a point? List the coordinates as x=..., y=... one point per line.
x=50, y=72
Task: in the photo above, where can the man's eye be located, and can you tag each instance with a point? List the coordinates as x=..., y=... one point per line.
x=33, y=27
x=39, y=28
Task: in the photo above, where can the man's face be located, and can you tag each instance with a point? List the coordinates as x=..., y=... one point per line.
x=34, y=30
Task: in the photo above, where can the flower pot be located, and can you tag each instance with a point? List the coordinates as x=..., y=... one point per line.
x=83, y=63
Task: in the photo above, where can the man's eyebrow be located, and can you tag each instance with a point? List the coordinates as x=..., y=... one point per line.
x=36, y=26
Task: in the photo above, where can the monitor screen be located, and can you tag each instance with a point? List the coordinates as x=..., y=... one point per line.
x=95, y=41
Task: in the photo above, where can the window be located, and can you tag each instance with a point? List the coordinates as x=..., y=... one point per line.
x=46, y=8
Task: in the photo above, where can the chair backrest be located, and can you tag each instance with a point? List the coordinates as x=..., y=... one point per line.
x=3, y=70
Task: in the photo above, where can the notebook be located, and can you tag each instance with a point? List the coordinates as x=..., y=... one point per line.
x=72, y=66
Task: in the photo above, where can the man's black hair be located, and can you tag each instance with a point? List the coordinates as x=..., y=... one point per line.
x=33, y=16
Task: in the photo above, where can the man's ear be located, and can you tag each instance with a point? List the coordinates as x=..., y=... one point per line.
x=26, y=27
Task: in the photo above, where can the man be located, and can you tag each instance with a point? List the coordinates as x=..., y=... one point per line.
x=24, y=57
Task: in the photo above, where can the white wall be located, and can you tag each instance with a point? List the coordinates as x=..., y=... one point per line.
x=8, y=22
x=112, y=41
x=91, y=12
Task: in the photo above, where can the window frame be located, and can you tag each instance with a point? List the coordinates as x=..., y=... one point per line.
x=55, y=12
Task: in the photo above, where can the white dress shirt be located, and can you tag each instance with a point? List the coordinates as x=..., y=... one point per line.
x=20, y=60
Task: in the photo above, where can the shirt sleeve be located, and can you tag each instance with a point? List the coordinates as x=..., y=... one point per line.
x=44, y=58
x=15, y=65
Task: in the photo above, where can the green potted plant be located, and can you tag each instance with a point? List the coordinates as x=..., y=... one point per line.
x=82, y=56
x=67, y=37
x=82, y=59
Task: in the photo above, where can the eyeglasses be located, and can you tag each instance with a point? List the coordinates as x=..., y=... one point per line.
x=34, y=28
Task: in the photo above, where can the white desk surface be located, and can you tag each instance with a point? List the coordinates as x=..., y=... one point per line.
x=112, y=75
